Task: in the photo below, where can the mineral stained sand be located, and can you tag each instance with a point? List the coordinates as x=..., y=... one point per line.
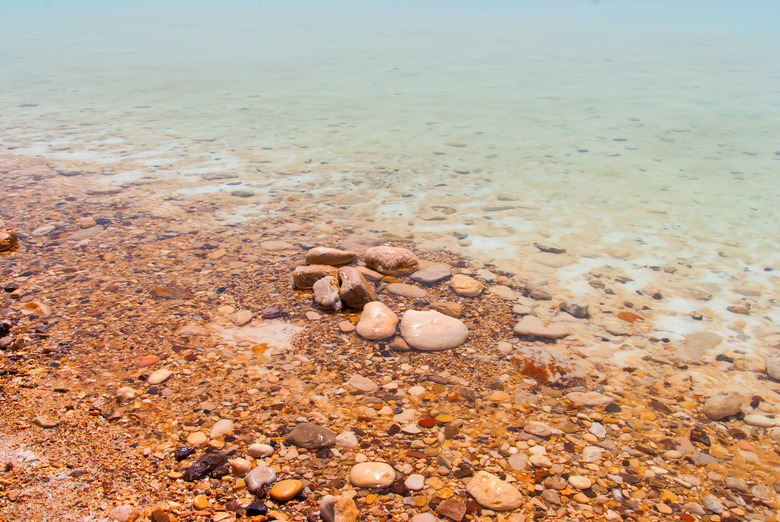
x=643, y=147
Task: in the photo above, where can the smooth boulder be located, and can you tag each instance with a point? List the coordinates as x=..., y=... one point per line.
x=305, y=276
x=391, y=260
x=722, y=405
x=532, y=326
x=377, y=322
x=372, y=475
x=329, y=256
x=432, y=331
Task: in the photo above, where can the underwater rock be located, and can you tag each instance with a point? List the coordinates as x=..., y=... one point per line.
x=773, y=367
x=577, y=309
x=532, y=326
x=311, y=436
x=493, y=493
x=432, y=274
x=548, y=368
x=722, y=405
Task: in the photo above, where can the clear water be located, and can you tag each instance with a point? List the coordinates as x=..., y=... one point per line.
x=632, y=133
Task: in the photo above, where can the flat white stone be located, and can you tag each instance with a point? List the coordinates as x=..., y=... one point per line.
x=432, y=331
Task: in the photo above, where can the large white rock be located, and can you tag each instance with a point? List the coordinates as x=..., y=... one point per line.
x=377, y=321
x=372, y=475
x=432, y=331
x=493, y=493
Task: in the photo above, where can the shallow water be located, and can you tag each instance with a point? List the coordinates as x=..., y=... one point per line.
x=632, y=135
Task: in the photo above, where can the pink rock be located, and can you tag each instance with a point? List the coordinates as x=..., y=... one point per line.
x=531, y=325
x=432, y=331
x=329, y=256
x=391, y=260
x=377, y=322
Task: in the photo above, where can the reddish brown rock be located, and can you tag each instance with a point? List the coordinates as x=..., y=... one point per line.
x=548, y=368
x=355, y=290
x=329, y=256
x=306, y=276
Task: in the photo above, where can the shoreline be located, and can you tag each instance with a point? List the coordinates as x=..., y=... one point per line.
x=122, y=286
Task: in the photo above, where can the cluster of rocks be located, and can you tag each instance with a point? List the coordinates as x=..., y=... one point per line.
x=427, y=330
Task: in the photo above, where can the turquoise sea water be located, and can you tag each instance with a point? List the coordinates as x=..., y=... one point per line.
x=631, y=133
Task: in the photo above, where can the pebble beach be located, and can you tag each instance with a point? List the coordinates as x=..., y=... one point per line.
x=413, y=262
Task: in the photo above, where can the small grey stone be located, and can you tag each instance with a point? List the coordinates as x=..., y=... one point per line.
x=242, y=193
x=711, y=503
x=432, y=274
x=702, y=459
x=737, y=484
x=575, y=308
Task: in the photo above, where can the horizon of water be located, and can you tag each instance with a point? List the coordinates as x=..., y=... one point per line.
x=631, y=133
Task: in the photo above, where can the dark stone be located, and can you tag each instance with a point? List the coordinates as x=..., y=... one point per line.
x=452, y=508
x=5, y=328
x=393, y=429
x=700, y=436
x=183, y=452
x=613, y=408
x=256, y=509
x=660, y=406
x=724, y=357
x=205, y=465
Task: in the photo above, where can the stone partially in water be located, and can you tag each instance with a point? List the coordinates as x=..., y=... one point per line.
x=547, y=367
x=377, y=322
x=722, y=405
x=306, y=276
x=432, y=274
x=493, y=493
x=391, y=260
x=575, y=308
x=466, y=286
x=404, y=290
x=372, y=475
x=355, y=290
x=326, y=293
x=532, y=326
x=311, y=436
x=329, y=256
x=432, y=331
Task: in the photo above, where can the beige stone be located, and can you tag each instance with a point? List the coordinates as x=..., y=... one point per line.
x=306, y=276
x=466, y=286
x=329, y=256
x=377, y=322
x=493, y=493
x=355, y=290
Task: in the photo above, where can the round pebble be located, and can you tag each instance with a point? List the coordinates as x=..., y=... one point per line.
x=286, y=489
x=200, y=502
x=580, y=482
x=414, y=482
x=372, y=475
